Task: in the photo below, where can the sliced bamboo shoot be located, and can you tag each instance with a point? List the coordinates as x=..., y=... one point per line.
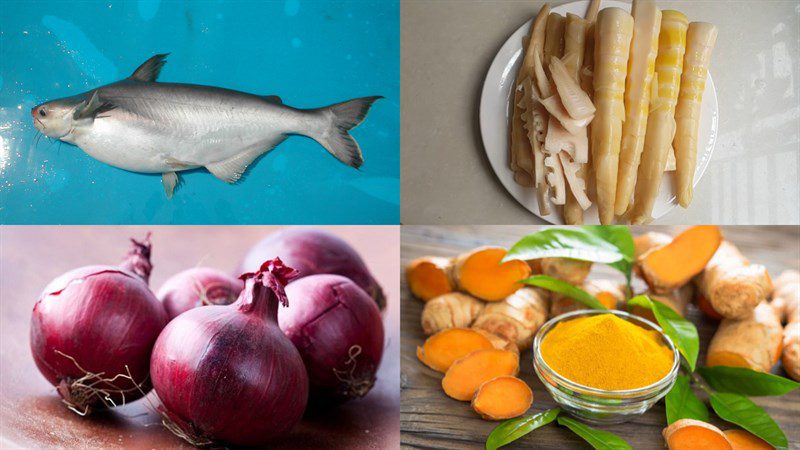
x=700, y=40
x=661, y=122
x=575, y=101
x=554, y=38
x=575, y=37
x=558, y=139
x=613, y=32
x=555, y=178
x=641, y=66
x=577, y=185
x=521, y=152
x=557, y=110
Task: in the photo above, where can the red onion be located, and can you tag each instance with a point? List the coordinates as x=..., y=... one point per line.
x=311, y=252
x=338, y=330
x=226, y=373
x=93, y=329
x=199, y=286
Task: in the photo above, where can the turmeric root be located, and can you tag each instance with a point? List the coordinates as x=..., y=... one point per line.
x=753, y=342
x=445, y=347
x=786, y=296
x=453, y=310
x=705, y=307
x=744, y=440
x=501, y=398
x=573, y=271
x=791, y=350
x=648, y=241
x=732, y=285
x=517, y=318
x=480, y=273
x=678, y=300
x=671, y=266
x=690, y=434
x=467, y=374
x=608, y=292
x=430, y=276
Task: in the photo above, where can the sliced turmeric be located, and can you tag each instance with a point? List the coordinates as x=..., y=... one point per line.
x=430, y=276
x=572, y=271
x=753, y=342
x=517, y=318
x=480, y=273
x=608, y=292
x=732, y=285
x=744, y=440
x=648, y=241
x=671, y=266
x=503, y=397
x=690, y=434
x=451, y=310
x=467, y=374
x=678, y=300
x=445, y=347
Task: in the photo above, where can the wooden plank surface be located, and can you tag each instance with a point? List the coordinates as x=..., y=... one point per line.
x=430, y=419
x=31, y=414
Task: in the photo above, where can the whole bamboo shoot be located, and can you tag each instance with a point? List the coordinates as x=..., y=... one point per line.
x=641, y=66
x=700, y=40
x=574, y=49
x=661, y=123
x=521, y=152
x=613, y=32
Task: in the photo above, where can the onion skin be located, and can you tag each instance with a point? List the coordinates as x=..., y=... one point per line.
x=311, y=252
x=226, y=374
x=99, y=320
x=199, y=286
x=338, y=330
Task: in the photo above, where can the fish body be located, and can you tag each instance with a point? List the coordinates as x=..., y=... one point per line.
x=141, y=125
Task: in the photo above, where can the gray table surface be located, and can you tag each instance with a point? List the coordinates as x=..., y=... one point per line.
x=448, y=45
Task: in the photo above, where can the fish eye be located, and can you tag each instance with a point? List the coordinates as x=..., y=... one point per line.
x=42, y=112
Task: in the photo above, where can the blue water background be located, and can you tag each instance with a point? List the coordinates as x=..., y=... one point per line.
x=310, y=53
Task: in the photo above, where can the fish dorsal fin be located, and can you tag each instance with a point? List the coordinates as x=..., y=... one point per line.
x=272, y=99
x=150, y=69
x=92, y=107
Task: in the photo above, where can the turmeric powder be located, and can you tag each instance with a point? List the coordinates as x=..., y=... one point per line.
x=604, y=351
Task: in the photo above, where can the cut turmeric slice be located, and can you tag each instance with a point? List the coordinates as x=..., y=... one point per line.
x=754, y=342
x=451, y=310
x=480, y=273
x=429, y=277
x=732, y=285
x=502, y=398
x=690, y=434
x=744, y=440
x=643, y=243
x=445, y=347
x=671, y=266
x=466, y=375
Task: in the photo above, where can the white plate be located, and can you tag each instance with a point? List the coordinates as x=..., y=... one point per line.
x=495, y=115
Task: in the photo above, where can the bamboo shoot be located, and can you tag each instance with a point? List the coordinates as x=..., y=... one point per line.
x=613, y=32
x=575, y=37
x=641, y=66
x=661, y=123
x=700, y=40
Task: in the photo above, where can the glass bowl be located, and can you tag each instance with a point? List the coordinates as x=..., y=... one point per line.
x=600, y=406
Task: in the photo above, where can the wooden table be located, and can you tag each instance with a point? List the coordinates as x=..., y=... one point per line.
x=430, y=419
x=31, y=414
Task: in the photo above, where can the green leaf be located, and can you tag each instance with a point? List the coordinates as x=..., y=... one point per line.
x=562, y=287
x=682, y=403
x=620, y=237
x=511, y=430
x=742, y=411
x=739, y=380
x=599, y=439
x=575, y=243
x=682, y=332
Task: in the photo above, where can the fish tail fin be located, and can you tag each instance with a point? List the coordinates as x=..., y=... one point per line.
x=339, y=120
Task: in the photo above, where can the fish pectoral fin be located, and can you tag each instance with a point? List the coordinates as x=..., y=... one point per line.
x=231, y=169
x=171, y=181
x=272, y=99
x=178, y=164
x=150, y=69
x=92, y=107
